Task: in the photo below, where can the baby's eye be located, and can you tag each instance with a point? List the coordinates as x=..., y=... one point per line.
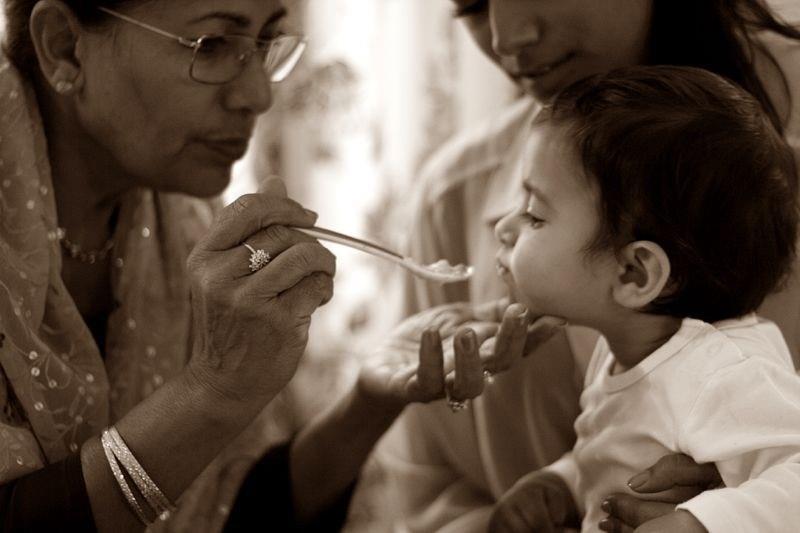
x=533, y=220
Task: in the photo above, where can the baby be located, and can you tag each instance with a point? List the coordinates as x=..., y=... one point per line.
x=659, y=209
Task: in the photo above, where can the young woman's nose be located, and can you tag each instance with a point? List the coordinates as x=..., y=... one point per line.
x=515, y=25
x=506, y=230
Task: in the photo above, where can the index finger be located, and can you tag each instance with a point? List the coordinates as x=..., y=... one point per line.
x=634, y=512
x=510, y=341
x=251, y=213
x=675, y=470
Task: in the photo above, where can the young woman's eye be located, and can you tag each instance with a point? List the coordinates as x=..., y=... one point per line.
x=470, y=10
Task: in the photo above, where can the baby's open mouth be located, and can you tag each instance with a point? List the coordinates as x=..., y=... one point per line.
x=501, y=269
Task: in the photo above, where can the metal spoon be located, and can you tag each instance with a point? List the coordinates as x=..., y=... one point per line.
x=441, y=271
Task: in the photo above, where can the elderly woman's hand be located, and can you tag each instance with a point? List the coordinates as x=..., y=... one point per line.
x=673, y=479
x=415, y=365
x=251, y=328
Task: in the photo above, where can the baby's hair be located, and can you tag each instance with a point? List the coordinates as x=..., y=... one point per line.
x=688, y=160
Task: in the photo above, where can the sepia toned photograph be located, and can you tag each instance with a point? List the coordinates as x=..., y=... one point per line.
x=400, y=266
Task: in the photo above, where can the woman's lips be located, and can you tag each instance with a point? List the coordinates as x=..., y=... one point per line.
x=544, y=70
x=232, y=149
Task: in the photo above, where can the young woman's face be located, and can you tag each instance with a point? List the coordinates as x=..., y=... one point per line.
x=546, y=45
x=543, y=255
x=139, y=104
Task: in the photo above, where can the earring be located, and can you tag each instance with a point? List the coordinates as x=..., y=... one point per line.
x=63, y=86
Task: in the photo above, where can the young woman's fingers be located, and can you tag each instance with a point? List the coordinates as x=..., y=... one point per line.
x=634, y=512
x=430, y=372
x=675, y=470
x=540, y=331
x=614, y=525
x=510, y=340
x=491, y=311
x=467, y=382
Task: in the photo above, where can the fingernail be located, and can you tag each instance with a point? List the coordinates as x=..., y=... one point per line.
x=311, y=213
x=605, y=524
x=468, y=340
x=638, y=481
x=606, y=506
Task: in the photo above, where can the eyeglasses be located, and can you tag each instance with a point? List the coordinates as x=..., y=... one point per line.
x=219, y=59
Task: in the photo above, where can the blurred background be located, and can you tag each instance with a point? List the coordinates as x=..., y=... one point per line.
x=383, y=84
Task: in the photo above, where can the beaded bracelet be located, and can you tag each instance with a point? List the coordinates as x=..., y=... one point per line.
x=105, y=439
x=155, y=498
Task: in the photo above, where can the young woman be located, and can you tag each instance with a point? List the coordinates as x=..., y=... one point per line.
x=461, y=465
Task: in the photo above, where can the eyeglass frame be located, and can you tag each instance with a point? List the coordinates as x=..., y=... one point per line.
x=195, y=43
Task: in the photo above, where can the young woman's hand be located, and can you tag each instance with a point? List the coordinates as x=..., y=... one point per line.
x=451, y=349
x=424, y=368
x=676, y=478
x=540, y=502
x=681, y=520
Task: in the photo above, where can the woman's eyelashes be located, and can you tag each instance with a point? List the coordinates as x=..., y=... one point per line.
x=469, y=10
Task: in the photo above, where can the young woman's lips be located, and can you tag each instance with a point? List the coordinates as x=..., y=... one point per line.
x=546, y=69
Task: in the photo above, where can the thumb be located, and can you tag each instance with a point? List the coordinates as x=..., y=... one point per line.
x=541, y=330
x=273, y=186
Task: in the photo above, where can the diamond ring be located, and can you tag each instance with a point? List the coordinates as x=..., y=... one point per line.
x=258, y=258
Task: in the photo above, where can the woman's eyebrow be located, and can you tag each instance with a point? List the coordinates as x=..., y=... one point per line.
x=239, y=20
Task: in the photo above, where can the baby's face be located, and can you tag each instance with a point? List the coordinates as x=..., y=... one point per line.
x=543, y=254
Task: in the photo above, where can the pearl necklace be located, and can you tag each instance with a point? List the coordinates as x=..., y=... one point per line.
x=75, y=251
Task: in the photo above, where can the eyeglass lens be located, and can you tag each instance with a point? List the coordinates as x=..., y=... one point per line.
x=220, y=59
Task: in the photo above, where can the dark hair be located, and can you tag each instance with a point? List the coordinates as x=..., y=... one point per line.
x=18, y=45
x=717, y=35
x=688, y=160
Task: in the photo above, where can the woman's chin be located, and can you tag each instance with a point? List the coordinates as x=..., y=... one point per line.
x=205, y=183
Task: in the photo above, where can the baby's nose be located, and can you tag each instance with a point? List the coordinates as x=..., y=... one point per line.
x=505, y=232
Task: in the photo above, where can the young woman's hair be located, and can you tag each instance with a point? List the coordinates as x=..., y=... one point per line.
x=684, y=158
x=18, y=46
x=718, y=35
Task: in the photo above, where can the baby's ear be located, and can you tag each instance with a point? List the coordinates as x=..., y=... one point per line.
x=643, y=273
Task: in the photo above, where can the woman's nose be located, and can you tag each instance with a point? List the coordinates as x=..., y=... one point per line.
x=252, y=90
x=506, y=230
x=515, y=25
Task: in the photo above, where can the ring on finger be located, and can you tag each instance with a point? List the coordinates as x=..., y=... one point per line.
x=488, y=377
x=456, y=405
x=258, y=258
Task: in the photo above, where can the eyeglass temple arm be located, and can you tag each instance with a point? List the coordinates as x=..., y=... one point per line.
x=191, y=43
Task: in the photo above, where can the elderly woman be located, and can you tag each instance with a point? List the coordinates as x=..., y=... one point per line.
x=123, y=374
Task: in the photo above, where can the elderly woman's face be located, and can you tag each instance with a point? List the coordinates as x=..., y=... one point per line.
x=139, y=103
x=545, y=45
